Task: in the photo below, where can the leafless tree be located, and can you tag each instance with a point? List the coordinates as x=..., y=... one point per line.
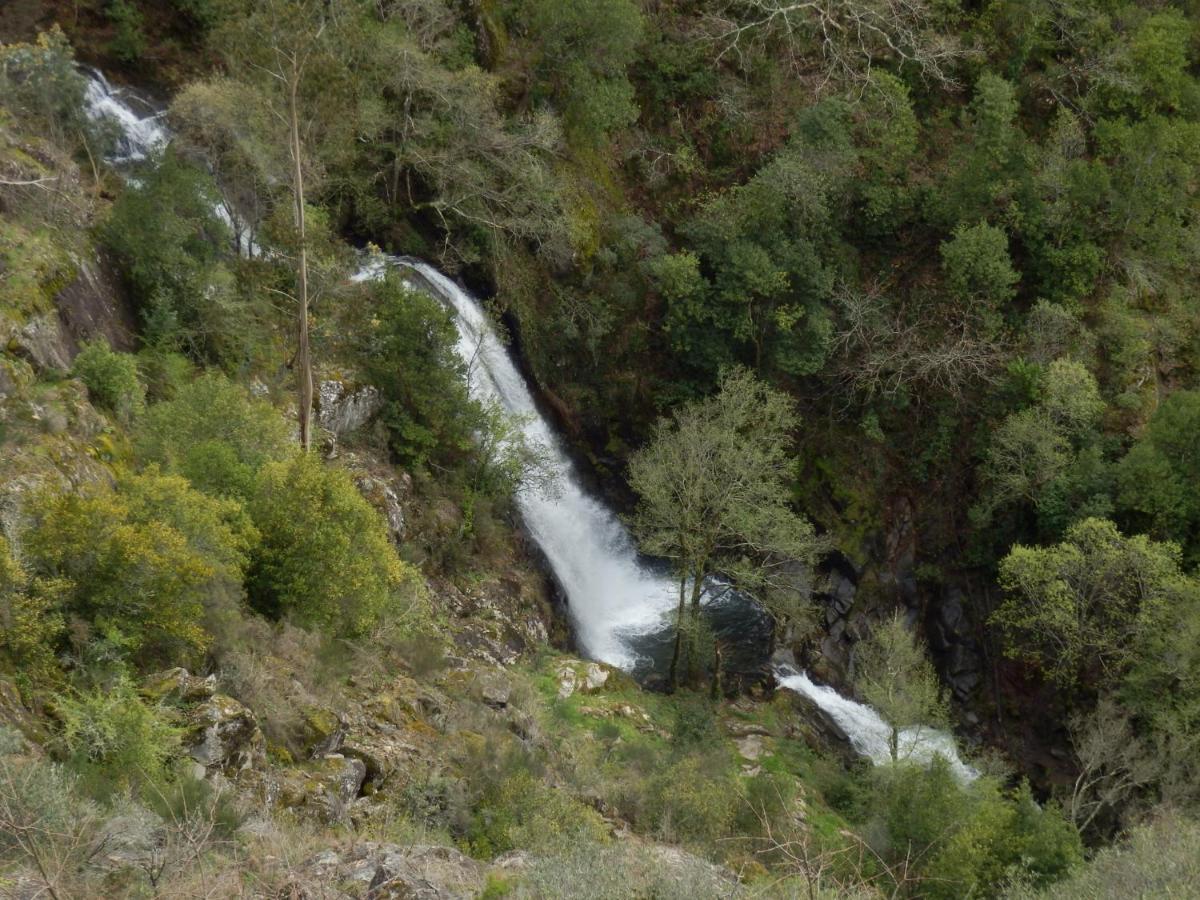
x=882, y=350
x=44, y=826
x=1113, y=763
x=851, y=36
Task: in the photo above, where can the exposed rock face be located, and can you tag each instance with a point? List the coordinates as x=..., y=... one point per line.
x=342, y=409
x=392, y=872
x=93, y=306
x=41, y=341
x=586, y=678
x=495, y=688
x=178, y=684
x=499, y=621
x=384, y=496
x=223, y=735
x=952, y=638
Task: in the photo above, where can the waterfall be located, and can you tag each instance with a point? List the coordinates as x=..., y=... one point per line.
x=612, y=596
x=617, y=601
x=137, y=136
x=869, y=734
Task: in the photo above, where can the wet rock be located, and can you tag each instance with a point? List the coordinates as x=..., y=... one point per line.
x=223, y=735
x=841, y=593
x=817, y=728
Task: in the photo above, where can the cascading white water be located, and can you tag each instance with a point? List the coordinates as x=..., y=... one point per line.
x=139, y=136
x=612, y=596
x=869, y=733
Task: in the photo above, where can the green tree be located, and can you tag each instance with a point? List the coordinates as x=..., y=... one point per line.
x=1076, y=609
x=713, y=496
x=893, y=674
x=408, y=351
x=584, y=48
x=111, y=378
x=142, y=565
x=1157, y=479
x=755, y=285
x=325, y=559
x=171, y=249
x=214, y=434
x=979, y=271
x=287, y=53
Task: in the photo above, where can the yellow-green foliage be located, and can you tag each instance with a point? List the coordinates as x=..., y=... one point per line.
x=325, y=558
x=111, y=378
x=32, y=268
x=30, y=623
x=214, y=433
x=112, y=733
x=141, y=564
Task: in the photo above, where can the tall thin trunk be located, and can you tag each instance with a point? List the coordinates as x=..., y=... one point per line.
x=694, y=627
x=303, y=357
x=715, y=687
x=673, y=672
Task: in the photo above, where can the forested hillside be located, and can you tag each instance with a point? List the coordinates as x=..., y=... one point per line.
x=879, y=316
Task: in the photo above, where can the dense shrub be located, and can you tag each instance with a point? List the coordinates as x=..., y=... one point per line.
x=215, y=434
x=31, y=622
x=111, y=378
x=173, y=250
x=325, y=560
x=114, y=737
x=142, y=565
x=408, y=352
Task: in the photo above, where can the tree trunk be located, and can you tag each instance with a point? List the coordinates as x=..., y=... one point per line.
x=303, y=357
x=693, y=662
x=673, y=672
x=715, y=685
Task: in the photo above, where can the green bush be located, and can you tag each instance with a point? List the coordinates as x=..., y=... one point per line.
x=1160, y=858
x=115, y=738
x=965, y=840
x=129, y=42
x=1157, y=479
x=144, y=565
x=111, y=378
x=408, y=352
x=214, y=434
x=31, y=622
x=325, y=559
x=172, y=251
